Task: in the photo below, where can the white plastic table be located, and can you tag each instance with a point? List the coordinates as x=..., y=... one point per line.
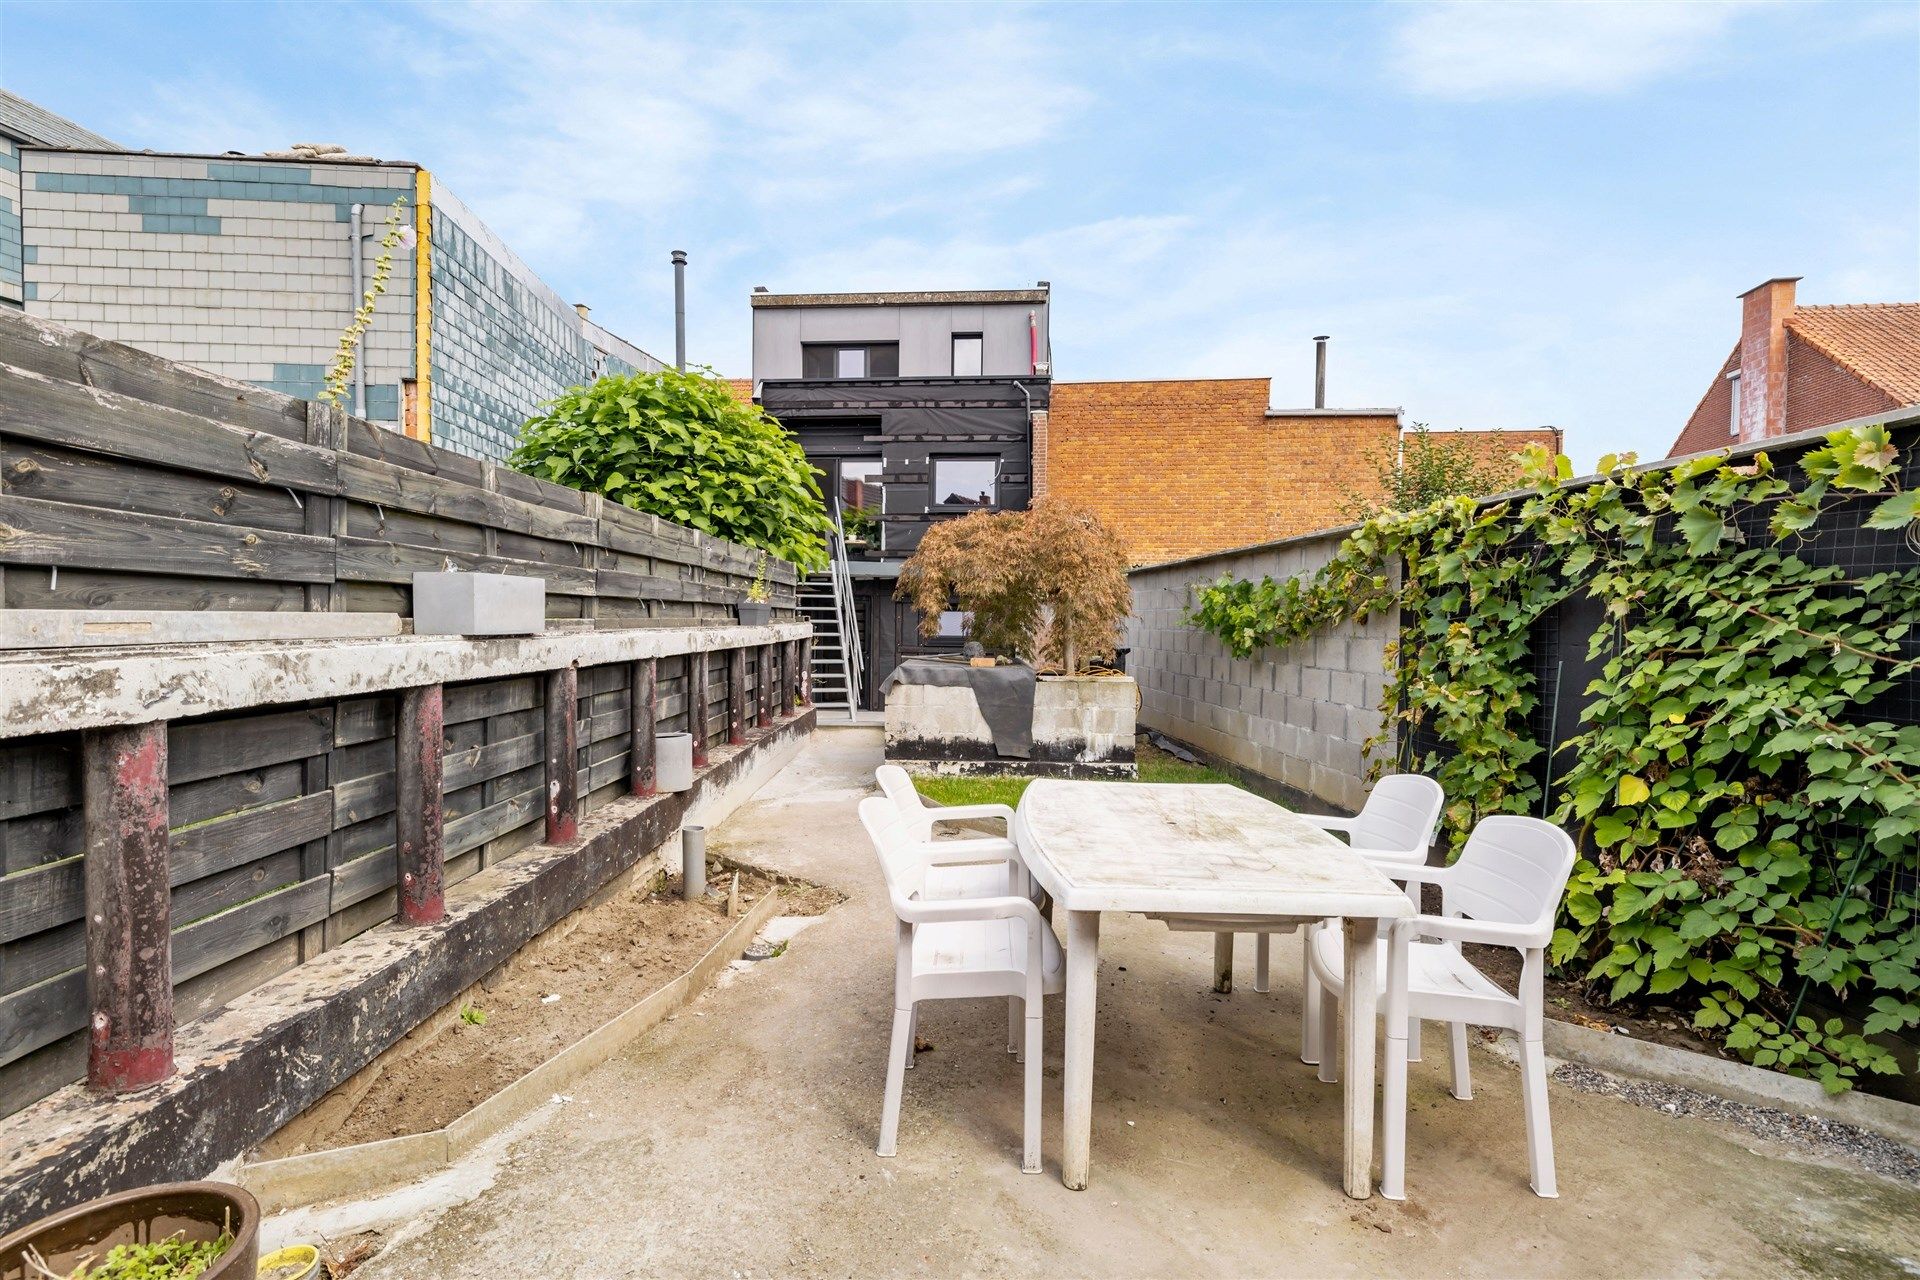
x=1203, y=857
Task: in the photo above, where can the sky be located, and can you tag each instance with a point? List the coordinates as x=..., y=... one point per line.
x=1505, y=215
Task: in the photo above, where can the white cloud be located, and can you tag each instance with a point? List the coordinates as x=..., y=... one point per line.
x=1467, y=50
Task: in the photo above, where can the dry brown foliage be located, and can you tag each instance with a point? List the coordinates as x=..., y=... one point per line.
x=1048, y=584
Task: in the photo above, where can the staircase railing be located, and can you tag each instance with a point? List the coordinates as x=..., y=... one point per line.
x=851, y=651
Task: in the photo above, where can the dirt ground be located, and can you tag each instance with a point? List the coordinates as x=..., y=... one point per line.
x=737, y=1140
x=618, y=954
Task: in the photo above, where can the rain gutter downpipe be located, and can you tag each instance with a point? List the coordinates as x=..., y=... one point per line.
x=354, y=236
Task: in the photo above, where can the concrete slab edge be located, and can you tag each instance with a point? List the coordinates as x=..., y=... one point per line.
x=1645, y=1060
x=295, y=1181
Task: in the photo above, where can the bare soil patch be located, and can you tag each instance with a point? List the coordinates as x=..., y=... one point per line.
x=554, y=993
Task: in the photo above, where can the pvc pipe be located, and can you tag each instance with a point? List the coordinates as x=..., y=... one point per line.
x=693, y=863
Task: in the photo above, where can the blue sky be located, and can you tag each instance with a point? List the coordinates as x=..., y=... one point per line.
x=1506, y=215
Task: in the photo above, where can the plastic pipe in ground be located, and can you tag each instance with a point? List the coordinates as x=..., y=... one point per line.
x=693, y=863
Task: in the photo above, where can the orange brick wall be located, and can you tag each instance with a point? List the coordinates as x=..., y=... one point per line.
x=1504, y=446
x=1184, y=467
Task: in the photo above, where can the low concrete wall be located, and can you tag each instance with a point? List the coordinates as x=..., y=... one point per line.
x=1083, y=727
x=1298, y=715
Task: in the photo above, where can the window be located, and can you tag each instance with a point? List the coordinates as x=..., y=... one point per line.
x=965, y=482
x=860, y=482
x=1733, y=403
x=954, y=624
x=966, y=355
x=850, y=360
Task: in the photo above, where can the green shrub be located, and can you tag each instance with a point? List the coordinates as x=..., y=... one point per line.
x=680, y=446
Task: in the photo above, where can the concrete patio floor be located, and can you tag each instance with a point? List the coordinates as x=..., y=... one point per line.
x=737, y=1140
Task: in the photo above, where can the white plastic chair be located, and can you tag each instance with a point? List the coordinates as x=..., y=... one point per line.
x=957, y=949
x=1503, y=891
x=979, y=866
x=1396, y=825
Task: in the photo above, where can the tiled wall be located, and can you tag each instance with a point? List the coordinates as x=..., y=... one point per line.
x=502, y=340
x=11, y=280
x=236, y=266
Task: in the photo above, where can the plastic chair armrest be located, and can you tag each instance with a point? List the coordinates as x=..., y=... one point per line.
x=1007, y=908
x=1328, y=821
x=971, y=813
x=961, y=853
x=1521, y=937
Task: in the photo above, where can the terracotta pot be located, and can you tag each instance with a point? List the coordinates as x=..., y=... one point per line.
x=199, y=1210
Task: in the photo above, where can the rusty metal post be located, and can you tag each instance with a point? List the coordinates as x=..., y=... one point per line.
x=643, y=710
x=419, y=806
x=806, y=671
x=697, y=666
x=736, y=696
x=789, y=675
x=763, y=689
x=129, y=925
x=563, y=754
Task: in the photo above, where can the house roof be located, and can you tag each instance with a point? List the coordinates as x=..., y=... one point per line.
x=38, y=126
x=1877, y=342
x=938, y=297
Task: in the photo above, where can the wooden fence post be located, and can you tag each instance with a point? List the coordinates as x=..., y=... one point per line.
x=789, y=675
x=129, y=925
x=563, y=754
x=643, y=684
x=736, y=696
x=806, y=671
x=697, y=666
x=763, y=689
x=419, y=807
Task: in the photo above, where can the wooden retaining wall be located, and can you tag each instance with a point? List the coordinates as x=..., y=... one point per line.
x=282, y=819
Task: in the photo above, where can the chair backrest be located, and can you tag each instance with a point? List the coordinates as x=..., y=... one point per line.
x=899, y=788
x=1402, y=815
x=893, y=843
x=1513, y=871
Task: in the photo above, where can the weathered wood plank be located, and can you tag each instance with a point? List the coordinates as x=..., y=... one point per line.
x=215, y=846
x=370, y=441
x=483, y=699
x=244, y=789
x=217, y=939
x=429, y=532
x=42, y=898
x=97, y=421
x=91, y=480
x=39, y=774
x=408, y=489
x=369, y=560
x=492, y=760
x=52, y=533
x=68, y=355
x=104, y=589
x=207, y=748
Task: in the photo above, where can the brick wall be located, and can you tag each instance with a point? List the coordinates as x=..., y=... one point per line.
x=1297, y=715
x=232, y=265
x=1501, y=447
x=1186, y=467
x=1820, y=391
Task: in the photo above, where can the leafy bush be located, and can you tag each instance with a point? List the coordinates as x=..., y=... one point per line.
x=682, y=447
x=1422, y=466
x=1048, y=584
x=1753, y=828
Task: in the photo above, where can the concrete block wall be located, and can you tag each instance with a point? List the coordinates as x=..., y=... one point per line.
x=1299, y=715
x=234, y=265
x=502, y=340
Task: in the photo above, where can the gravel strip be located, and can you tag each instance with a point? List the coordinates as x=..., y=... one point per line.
x=1810, y=1134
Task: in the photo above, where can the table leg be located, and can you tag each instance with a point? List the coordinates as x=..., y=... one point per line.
x=1083, y=974
x=1360, y=1009
x=1223, y=963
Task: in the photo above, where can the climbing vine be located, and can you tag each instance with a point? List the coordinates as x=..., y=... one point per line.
x=1751, y=823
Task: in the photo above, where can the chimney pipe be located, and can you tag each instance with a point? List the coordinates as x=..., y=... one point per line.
x=680, y=310
x=581, y=309
x=1320, y=370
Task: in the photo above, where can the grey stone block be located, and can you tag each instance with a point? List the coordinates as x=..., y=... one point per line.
x=478, y=604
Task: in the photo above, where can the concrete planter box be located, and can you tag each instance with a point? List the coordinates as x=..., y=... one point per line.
x=1082, y=727
x=755, y=614
x=478, y=604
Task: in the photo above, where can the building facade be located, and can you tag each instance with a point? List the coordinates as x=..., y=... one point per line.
x=915, y=408
x=1799, y=368
x=252, y=266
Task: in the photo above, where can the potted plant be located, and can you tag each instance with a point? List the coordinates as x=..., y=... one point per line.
x=862, y=526
x=177, y=1231
x=757, y=609
x=1048, y=585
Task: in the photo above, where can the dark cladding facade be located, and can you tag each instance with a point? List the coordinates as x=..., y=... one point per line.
x=930, y=416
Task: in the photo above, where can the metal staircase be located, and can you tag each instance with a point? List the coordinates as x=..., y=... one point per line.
x=827, y=601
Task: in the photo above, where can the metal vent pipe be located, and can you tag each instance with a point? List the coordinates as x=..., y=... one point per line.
x=1320, y=370
x=680, y=310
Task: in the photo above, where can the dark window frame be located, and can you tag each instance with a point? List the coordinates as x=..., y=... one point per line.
x=934, y=502
x=953, y=354
x=818, y=356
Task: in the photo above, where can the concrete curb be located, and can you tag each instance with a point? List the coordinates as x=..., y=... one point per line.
x=1645, y=1060
x=295, y=1181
